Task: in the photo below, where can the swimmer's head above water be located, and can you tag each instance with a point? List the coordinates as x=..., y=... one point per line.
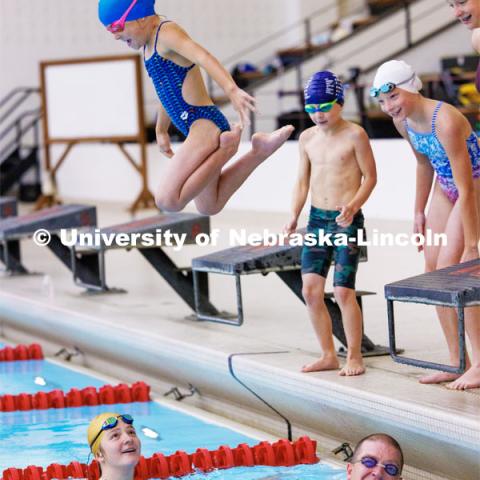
x=114, y=443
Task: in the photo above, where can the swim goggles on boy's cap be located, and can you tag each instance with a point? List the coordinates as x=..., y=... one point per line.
x=320, y=107
x=370, y=462
x=114, y=13
x=395, y=73
x=112, y=422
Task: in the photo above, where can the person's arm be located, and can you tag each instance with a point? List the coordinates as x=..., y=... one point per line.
x=302, y=185
x=366, y=163
x=423, y=185
x=452, y=131
x=476, y=39
x=161, y=132
x=175, y=38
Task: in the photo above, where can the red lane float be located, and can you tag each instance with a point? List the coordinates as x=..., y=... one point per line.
x=223, y=458
x=305, y=450
x=281, y=453
x=284, y=453
x=243, y=456
x=21, y=352
x=264, y=454
x=138, y=392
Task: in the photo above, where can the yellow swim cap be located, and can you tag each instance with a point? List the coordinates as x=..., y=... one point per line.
x=95, y=428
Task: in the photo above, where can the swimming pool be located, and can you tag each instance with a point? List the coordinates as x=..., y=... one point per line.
x=59, y=435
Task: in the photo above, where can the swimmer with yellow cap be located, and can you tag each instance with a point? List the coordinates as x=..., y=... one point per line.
x=114, y=444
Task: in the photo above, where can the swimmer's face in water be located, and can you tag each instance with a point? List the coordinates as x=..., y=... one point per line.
x=327, y=120
x=383, y=453
x=119, y=447
x=467, y=11
x=398, y=103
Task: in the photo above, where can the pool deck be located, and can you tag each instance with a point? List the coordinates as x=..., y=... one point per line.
x=146, y=334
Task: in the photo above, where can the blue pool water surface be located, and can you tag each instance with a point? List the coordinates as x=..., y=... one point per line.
x=42, y=437
x=34, y=376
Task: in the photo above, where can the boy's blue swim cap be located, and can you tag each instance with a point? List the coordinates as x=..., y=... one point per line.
x=111, y=10
x=324, y=87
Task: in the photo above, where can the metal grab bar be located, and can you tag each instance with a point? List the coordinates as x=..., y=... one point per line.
x=25, y=91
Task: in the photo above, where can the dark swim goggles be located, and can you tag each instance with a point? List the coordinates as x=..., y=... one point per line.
x=112, y=422
x=387, y=87
x=370, y=462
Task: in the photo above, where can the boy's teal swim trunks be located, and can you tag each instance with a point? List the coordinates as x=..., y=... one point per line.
x=344, y=251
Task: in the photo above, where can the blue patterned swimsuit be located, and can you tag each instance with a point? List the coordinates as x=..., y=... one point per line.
x=429, y=145
x=168, y=78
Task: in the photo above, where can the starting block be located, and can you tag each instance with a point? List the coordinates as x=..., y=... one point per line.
x=457, y=287
x=285, y=261
x=8, y=208
x=180, y=279
x=52, y=220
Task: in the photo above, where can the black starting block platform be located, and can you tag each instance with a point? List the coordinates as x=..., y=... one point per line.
x=51, y=220
x=285, y=261
x=8, y=207
x=457, y=287
x=180, y=279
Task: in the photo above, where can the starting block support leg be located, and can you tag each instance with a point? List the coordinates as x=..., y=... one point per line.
x=423, y=363
x=11, y=257
x=86, y=269
x=207, y=312
x=181, y=282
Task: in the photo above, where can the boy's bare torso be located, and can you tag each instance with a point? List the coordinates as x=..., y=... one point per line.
x=335, y=175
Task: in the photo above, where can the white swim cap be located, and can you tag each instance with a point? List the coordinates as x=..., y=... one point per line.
x=400, y=73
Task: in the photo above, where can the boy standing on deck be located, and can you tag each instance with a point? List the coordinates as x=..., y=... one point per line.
x=337, y=167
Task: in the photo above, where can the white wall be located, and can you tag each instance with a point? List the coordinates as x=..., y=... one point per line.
x=35, y=30
x=87, y=176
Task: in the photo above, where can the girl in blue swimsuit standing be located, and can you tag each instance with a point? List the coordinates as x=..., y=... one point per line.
x=173, y=62
x=444, y=144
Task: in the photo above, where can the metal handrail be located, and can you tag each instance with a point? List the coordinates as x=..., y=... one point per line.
x=12, y=101
x=273, y=36
x=15, y=123
x=409, y=21
x=11, y=94
x=21, y=131
x=409, y=43
x=25, y=91
x=404, y=5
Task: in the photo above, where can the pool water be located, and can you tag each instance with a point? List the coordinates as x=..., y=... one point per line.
x=318, y=471
x=34, y=376
x=42, y=437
